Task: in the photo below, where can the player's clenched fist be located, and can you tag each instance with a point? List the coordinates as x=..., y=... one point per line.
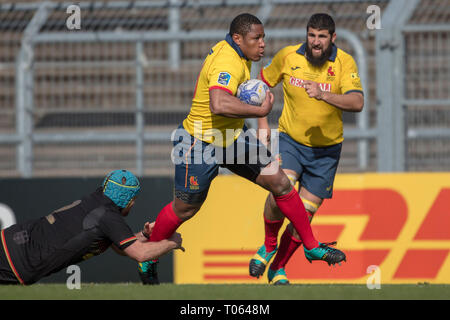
x=177, y=240
x=313, y=89
x=267, y=105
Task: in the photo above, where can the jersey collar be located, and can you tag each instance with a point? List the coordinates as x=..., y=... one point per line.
x=234, y=45
x=332, y=57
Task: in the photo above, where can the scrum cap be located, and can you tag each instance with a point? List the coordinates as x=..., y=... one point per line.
x=121, y=186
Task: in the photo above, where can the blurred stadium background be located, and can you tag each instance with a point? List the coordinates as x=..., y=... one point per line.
x=81, y=102
x=78, y=103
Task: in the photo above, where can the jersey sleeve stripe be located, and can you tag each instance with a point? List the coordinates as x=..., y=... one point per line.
x=8, y=257
x=121, y=243
x=222, y=88
x=360, y=91
x=264, y=79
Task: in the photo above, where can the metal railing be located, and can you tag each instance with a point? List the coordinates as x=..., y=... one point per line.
x=26, y=138
x=387, y=131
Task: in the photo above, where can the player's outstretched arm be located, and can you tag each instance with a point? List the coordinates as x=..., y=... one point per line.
x=142, y=236
x=144, y=251
x=224, y=104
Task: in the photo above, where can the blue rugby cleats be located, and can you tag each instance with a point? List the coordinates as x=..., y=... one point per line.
x=148, y=272
x=259, y=261
x=277, y=277
x=326, y=253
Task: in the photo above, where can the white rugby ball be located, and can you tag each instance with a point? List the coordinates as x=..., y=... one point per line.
x=252, y=92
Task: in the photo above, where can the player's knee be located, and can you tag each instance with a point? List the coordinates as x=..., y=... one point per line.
x=310, y=207
x=281, y=185
x=186, y=206
x=292, y=178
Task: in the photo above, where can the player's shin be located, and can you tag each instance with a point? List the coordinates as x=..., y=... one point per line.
x=166, y=224
x=292, y=207
x=271, y=228
x=288, y=245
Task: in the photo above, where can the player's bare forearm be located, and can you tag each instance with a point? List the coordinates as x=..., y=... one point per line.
x=224, y=104
x=264, y=133
x=149, y=250
x=154, y=250
x=352, y=102
x=263, y=123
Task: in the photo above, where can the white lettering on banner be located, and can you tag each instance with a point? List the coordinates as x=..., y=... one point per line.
x=300, y=83
x=7, y=217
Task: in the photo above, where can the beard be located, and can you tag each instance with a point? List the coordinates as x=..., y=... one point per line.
x=320, y=60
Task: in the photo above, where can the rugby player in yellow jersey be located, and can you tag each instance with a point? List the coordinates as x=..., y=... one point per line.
x=213, y=135
x=320, y=81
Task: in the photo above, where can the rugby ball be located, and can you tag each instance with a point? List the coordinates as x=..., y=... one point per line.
x=252, y=92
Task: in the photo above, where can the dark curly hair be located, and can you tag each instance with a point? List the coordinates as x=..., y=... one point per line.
x=242, y=24
x=321, y=21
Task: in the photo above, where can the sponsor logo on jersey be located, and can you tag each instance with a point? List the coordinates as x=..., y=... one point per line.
x=300, y=83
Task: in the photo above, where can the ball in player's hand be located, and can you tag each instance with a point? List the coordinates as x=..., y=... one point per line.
x=252, y=92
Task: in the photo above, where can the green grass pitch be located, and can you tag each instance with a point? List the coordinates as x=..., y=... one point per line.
x=136, y=291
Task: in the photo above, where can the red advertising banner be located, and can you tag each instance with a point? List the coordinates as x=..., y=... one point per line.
x=393, y=227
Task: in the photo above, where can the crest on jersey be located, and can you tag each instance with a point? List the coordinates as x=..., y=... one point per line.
x=224, y=78
x=331, y=72
x=193, y=181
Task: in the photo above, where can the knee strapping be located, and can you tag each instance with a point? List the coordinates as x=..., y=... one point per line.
x=292, y=179
x=191, y=198
x=310, y=206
